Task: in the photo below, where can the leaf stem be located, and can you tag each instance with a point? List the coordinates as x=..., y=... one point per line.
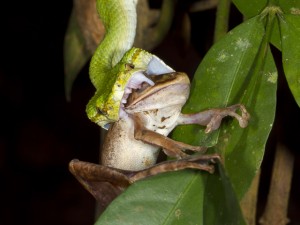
x=262, y=53
x=222, y=18
x=266, y=39
x=273, y=2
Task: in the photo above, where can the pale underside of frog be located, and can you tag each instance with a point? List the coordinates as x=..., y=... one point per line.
x=149, y=107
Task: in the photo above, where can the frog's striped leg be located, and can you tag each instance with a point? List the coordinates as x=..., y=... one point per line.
x=106, y=183
x=199, y=162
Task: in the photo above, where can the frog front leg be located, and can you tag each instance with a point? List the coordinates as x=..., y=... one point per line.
x=212, y=118
x=171, y=147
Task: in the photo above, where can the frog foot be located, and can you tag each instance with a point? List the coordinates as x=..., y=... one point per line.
x=178, y=149
x=219, y=114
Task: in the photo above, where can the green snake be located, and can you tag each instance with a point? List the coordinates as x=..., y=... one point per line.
x=115, y=62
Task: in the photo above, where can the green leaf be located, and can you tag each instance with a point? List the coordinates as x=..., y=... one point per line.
x=223, y=73
x=220, y=203
x=75, y=54
x=290, y=38
x=175, y=198
x=169, y=198
x=253, y=8
x=275, y=36
x=225, y=77
x=250, y=8
x=290, y=7
x=245, y=150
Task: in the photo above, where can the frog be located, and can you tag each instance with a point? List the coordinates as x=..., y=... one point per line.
x=149, y=110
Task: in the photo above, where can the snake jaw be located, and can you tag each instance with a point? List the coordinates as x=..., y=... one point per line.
x=129, y=74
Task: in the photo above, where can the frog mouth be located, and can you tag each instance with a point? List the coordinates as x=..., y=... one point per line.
x=133, y=101
x=141, y=80
x=138, y=81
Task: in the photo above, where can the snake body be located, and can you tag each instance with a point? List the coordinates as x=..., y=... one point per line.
x=119, y=19
x=115, y=62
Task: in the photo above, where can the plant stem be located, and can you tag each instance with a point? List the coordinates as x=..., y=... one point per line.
x=277, y=203
x=222, y=18
x=203, y=5
x=273, y=2
x=155, y=35
x=249, y=201
x=262, y=53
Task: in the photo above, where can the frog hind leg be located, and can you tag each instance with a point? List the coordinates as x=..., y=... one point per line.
x=106, y=183
x=198, y=162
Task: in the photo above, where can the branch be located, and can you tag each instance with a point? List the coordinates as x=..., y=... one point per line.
x=222, y=18
x=249, y=201
x=277, y=203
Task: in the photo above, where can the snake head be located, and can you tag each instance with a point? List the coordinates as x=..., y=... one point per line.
x=104, y=109
x=98, y=112
x=107, y=105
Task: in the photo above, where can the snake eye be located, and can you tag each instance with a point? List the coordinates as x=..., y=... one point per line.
x=129, y=66
x=99, y=111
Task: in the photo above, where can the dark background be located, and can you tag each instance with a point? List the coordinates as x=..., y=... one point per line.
x=40, y=132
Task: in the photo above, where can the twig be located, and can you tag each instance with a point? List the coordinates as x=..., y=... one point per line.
x=222, y=18
x=154, y=35
x=203, y=5
x=249, y=201
x=277, y=203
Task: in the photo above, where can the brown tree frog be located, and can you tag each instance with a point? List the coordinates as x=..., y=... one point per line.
x=149, y=110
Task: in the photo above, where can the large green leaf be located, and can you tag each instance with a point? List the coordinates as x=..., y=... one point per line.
x=290, y=38
x=254, y=7
x=220, y=204
x=223, y=73
x=275, y=37
x=75, y=54
x=175, y=198
x=290, y=7
x=244, y=151
x=170, y=198
x=225, y=77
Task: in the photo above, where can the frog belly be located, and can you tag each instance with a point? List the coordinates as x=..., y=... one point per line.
x=121, y=150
